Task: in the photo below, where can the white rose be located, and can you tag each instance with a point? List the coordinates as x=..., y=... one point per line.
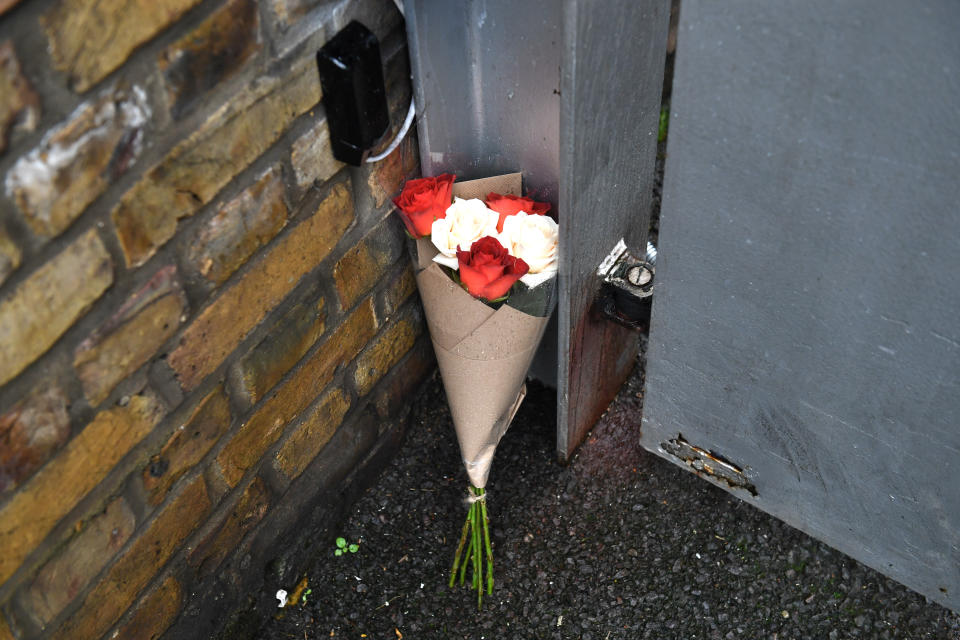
x=467, y=221
x=534, y=239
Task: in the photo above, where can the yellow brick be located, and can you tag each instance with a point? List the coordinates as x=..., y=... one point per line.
x=281, y=349
x=388, y=176
x=154, y=613
x=356, y=273
x=266, y=425
x=187, y=446
x=31, y=432
x=312, y=157
x=10, y=255
x=389, y=348
x=364, y=265
x=399, y=290
x=6, y=5
x=122, y=352
x=240, y=227
x=90, y=38
x=310, y=437
x=107, y=601
x=220, y=327
x=76, y=565
x=19, y=104
x=216, y=49
x=47, y=303
x=78, y=159
x=241, y=518
x=196, y=169
x=33, y=512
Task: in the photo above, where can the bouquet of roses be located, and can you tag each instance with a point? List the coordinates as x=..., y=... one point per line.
x=486, y=262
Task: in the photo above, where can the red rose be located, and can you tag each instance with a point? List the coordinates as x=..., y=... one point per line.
x=424, y=200
x=510, y=205
x=488, y=269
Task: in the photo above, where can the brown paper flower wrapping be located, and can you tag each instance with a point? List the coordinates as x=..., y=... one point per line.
x=483, y=353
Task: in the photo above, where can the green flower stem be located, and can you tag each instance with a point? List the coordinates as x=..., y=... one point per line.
x=468, y=554
x=477, y=555
x=456, y=559
x=474, y=548
x=486, y=544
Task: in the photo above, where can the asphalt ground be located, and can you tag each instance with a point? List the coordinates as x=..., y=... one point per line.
x=617, y=544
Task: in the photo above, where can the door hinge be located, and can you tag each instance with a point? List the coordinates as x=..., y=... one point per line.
x=705, y=462
x=626, y=290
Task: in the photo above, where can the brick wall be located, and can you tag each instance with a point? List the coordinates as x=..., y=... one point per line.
x=209, y=332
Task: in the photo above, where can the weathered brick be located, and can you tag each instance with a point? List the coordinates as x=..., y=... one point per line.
x=391, y=345
x=399, y=290
x=397, y=388
x=10, y=255
x=90, y=38
x=363, y=266
x=387, y=177
x=30, y=433
x=73, y=164
x=220, y=327
x=378, y=16
x=153, y=614
x=289, y=11
x=107, y=601
x=48, y=302
x=131, y=335
x=239, y=228
x=249, y=510
x=266, y=425
x=19, y=104
x=59, y=582
x=53, y=491
x=6, y=5
x=209, y=54
x=309, y=438
x=282, y=348
x=187, y=446
x=196, y=169
x=312, y=157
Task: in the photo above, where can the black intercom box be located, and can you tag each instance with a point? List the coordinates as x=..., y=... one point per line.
x=351, y=76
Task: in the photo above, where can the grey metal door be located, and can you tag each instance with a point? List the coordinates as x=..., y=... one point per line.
x=805, y=342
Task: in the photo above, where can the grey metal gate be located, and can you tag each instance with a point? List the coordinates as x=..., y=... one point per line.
x=805, y=341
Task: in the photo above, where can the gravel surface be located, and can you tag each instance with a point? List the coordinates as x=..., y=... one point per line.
x=619, y=544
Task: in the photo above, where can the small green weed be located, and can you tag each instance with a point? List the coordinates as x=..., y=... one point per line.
x=343, y=547
x=664, y=123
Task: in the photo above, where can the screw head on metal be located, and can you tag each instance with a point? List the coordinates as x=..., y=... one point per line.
x=639, y=275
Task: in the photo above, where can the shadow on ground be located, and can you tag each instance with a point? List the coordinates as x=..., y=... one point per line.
x=619, y=544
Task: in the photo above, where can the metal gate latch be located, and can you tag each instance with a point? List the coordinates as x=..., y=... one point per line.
x=627, y=287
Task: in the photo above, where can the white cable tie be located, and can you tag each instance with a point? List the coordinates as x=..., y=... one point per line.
x=472, y=497
x=412, y=111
